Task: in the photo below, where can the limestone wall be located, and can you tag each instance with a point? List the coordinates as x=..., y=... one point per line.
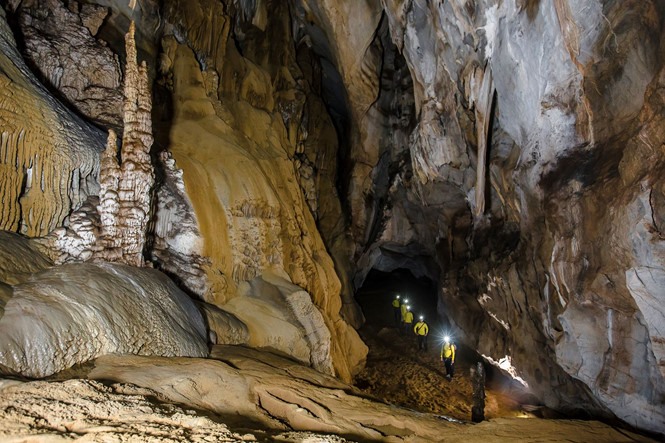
x=234, y=135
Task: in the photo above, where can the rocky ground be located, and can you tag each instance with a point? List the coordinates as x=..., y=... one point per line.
x=245, y=394
x=399, y=374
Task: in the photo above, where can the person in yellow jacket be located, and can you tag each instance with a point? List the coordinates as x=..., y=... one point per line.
x=448, y=356
x=421, y=330
x=396, y=311
x=403, y=309
x=408, y=319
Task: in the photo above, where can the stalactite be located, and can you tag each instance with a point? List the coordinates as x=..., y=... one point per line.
x=483, y=108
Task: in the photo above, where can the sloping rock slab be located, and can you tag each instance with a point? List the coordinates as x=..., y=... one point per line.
x=73, y=313
x=275, y=391
x=19, y=259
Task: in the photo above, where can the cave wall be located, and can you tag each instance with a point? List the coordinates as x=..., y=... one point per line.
x=512, y=151
x=534, y=184
x=237, y=133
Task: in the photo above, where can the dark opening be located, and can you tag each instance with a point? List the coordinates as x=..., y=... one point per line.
x=379, y=289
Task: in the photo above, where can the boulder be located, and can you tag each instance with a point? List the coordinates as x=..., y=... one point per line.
x=70, y=314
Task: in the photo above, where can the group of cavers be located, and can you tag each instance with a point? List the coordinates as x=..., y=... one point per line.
x=404, y=320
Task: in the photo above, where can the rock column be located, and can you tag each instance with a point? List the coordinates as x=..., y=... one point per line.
x=125, y=219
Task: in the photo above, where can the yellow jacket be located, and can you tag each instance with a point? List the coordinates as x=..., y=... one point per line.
x=396, y=303
x=448, y=351
x=421, y=328
x=403, y=309
x=408, y=317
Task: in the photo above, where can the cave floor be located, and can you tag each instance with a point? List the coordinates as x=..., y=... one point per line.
x=397, y=373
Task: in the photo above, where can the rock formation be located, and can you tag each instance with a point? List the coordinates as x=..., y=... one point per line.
x=115, y=229
x=60, y=42
x=577, y=102
x=126, y=188
x=251, y=391
x=252, y=218
x=99, y=413
x=66, y=315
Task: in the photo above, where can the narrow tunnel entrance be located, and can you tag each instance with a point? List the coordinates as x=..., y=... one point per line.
x=379, y=289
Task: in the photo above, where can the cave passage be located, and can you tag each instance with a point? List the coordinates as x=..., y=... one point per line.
x=399, y=373
x=379, y=289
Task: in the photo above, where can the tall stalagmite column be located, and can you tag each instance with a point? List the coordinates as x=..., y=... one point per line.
x=125, y=215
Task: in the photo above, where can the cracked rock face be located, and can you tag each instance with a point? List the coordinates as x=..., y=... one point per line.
x=60, y=42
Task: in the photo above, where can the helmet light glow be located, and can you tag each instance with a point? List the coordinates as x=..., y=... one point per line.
x=446, y=339
x=422, y=318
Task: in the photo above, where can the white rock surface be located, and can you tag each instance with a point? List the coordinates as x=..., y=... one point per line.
x=73, y=313
x=281, y=316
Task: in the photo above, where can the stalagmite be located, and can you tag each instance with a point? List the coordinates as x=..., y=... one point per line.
x=136, y=172
x=109, y=207
x=121, y=216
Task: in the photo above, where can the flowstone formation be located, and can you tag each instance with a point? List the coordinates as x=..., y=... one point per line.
x=50, y=157
x=55, y=317
x=247, y=170
x=240, y=125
